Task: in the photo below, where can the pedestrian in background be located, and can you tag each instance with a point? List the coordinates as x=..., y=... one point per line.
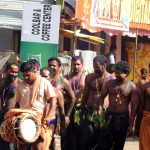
x=111, y=56
x=142, y=81
x=144, y=136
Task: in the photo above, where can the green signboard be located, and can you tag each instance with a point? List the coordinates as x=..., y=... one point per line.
x=39, y=51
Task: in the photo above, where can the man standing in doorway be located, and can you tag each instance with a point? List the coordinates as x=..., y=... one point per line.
x=111, y=56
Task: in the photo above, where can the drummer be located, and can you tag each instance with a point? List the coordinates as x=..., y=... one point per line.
x=7, y=93
x=36, y=93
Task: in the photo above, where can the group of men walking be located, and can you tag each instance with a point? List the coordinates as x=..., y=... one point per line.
x=95, y=110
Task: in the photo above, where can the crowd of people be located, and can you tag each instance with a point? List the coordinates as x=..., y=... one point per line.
x=92, y=111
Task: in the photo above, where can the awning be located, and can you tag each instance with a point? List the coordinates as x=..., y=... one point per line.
x=11, y=13
x=6, y=57
x=143, y=30
x=88, y=38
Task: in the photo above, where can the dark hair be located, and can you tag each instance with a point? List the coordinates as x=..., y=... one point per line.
x=30, y=65
x=22, y=66
x=36, y=63
x=56, y=59
x=143, y=70
x=122, y=67
x=75, y=58
x=9, y=65
x=101, y=59
x=52, y=73
x=112, y=47
x=110, y=68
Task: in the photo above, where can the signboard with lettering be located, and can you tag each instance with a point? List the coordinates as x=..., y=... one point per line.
x=40, y=32
x=140, y=11
x=97, y=15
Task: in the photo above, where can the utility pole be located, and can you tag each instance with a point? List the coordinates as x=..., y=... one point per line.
x=135, y=55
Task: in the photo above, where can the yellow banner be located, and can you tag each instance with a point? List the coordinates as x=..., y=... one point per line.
x=140, y=10
x=142, y=58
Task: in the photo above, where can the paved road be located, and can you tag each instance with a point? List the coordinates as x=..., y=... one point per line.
x=131, y=144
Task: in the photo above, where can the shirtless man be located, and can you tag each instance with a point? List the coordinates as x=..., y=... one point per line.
x=121, y=92
x=77, y=81
x=62, y=84
x=48, y=74
x=7, y=93
x=77, y=77
x=143, y=80
x=44, y=72
x=94, y=83
x=144, y=136
x=59, y=128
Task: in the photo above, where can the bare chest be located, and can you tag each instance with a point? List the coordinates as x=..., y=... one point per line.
x=120, y=93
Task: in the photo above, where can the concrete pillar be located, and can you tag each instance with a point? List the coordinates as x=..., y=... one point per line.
x=61, y=41
x=6, y=39
x=97, y=47
x=118, y=44
x=108, y=43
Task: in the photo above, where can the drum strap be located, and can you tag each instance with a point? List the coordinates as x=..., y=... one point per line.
x=36, y=85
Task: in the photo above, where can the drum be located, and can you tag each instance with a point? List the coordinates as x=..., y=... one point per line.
x=20, y=126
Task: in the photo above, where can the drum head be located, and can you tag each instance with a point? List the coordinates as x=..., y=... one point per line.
x=20, y=129
x=29, y=129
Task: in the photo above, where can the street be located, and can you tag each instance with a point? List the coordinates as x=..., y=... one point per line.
x=131, y=144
